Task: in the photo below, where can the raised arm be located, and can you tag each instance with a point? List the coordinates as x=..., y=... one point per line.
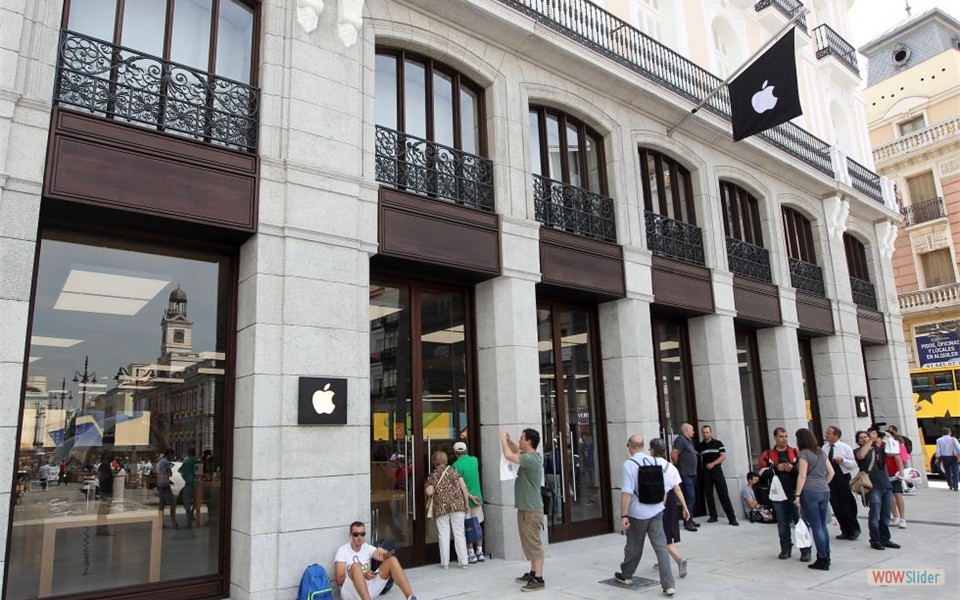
x=510, y=450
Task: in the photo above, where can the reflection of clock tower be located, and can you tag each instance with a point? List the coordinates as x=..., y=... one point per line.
x=177, y=329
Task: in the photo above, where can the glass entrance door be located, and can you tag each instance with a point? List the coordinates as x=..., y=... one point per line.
x=420, y=399
x=568, y=400
x=674, y=384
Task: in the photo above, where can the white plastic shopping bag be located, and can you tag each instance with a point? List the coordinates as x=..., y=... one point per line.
x=776, y=490
x=508, y=470
x=803, y=534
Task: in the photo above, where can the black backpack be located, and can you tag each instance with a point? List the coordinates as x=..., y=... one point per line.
x=649, y=482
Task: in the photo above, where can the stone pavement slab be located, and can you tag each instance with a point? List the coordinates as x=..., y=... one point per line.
x=729, y=562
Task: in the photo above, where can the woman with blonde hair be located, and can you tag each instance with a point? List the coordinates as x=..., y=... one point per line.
x=448, y=493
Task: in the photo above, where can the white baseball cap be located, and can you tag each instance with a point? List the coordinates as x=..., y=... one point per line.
x=459, y=447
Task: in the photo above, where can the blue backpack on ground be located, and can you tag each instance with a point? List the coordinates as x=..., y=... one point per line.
x=314, y=584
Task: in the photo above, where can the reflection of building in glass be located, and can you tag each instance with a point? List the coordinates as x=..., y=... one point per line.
x=170, y=402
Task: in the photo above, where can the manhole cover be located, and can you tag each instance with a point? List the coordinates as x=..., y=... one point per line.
x=639, y=583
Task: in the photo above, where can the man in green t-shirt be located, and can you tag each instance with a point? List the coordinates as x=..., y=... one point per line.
x=469, y=469
x=528, y=501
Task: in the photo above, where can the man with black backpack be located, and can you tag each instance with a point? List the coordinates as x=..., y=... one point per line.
x=646, y=481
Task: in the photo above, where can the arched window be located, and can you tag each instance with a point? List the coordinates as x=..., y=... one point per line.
x=215, y=36
x=799, y=236
x=856, y=257
x=565, y=149
x=741, y=214
x=422, y=97
x=667, y=189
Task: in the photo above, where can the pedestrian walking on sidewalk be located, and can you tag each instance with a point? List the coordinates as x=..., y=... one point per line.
x=813, y=494
x=645, y=519
x=671, y=511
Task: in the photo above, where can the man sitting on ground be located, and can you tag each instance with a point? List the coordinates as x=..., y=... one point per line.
x=356, y=579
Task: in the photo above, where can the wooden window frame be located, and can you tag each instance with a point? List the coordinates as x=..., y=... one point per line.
x=458, y=81
x=584, y=131
x=741, y=214
x=798, y=233
x=253, y=5
x=681, y=197
x=856, y=253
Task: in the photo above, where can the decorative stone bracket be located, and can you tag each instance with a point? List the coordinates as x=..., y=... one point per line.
x=349, y=18
x=837, y=211
x=887, y=238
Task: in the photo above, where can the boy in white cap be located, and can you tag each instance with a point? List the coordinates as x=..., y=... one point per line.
x=469, y=470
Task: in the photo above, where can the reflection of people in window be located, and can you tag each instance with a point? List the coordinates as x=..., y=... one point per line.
x=105, y=474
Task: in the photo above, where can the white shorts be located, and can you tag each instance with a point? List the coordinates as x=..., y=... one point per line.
x=374, y=587
x=477, y=512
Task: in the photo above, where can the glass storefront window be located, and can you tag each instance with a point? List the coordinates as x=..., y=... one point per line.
x=673, y=392
x=751, y=394
x=108, y=393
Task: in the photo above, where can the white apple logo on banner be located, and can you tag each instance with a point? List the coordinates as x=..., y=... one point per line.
x=764, y=100
x=323, y=401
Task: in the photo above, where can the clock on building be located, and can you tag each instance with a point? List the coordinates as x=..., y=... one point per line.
x=177, y=336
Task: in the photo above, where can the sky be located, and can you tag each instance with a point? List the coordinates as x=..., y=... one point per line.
x=870, y=18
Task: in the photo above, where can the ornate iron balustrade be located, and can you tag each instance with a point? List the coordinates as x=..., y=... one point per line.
x=931, y=298
x=676, y=239
x=415, y=164
x=922, y=212
x=126, y=85
x=831, y=43
x=807, y=277
x=864, y=293
x=748, y=259
x=566, y=207
x=595, y=28
x=787, y=8
x=917, y=140
x=864, y=180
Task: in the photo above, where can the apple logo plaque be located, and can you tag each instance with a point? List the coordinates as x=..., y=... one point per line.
x=322, y=401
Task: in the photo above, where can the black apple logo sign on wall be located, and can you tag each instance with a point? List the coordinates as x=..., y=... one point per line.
x=322, y=401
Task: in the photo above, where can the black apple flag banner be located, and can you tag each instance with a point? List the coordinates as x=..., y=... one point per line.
x=766, y=93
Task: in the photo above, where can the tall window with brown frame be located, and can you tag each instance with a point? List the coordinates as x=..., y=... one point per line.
x=856, y=258
x=798, y=234
x=741, y=214
x=565, y=149
x=667, y=187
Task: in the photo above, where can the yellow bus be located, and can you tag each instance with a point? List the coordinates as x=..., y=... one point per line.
x=936, y=398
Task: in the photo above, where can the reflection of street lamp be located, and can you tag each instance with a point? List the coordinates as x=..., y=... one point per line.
x=63, y=393
x=38, y=428
x=84, y=379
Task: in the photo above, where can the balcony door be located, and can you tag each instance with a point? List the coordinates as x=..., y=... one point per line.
x=572, y=428
x=420, y=400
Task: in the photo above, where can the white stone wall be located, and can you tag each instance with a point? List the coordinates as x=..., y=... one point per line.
x=29, y=33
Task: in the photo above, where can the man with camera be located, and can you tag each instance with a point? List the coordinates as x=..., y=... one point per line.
x=872, y=459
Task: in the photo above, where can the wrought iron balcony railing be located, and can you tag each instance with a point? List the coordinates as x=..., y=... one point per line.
x=864, y=180
x=917, y=140
x=939, y=297
x=748, y=260
x=569, y=208
x=602, y=32
x=675, y=239
x=787, y=8
x=831, y=43
x=864, y=293
x=418, y=165
x=126, y=85
x=922, y=212
x=807, y=277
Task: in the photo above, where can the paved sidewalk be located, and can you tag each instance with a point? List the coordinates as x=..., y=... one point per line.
x=729, y=562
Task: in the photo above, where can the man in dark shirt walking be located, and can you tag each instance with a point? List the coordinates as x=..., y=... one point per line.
x=684, y=456
x=712, y=454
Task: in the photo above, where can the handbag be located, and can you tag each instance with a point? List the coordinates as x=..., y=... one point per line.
x=777, y=493
x=430, y=499
x=803, y=534
x=861, y=484
x=471, y=529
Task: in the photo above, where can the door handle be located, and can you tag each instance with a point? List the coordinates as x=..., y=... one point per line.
x=573, y=465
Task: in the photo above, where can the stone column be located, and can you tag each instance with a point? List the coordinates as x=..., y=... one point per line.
x=716, y=387
x=782, y=382
x=508, y=377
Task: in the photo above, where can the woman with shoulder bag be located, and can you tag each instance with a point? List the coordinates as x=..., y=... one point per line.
x=447, y=503
x=813, y=494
